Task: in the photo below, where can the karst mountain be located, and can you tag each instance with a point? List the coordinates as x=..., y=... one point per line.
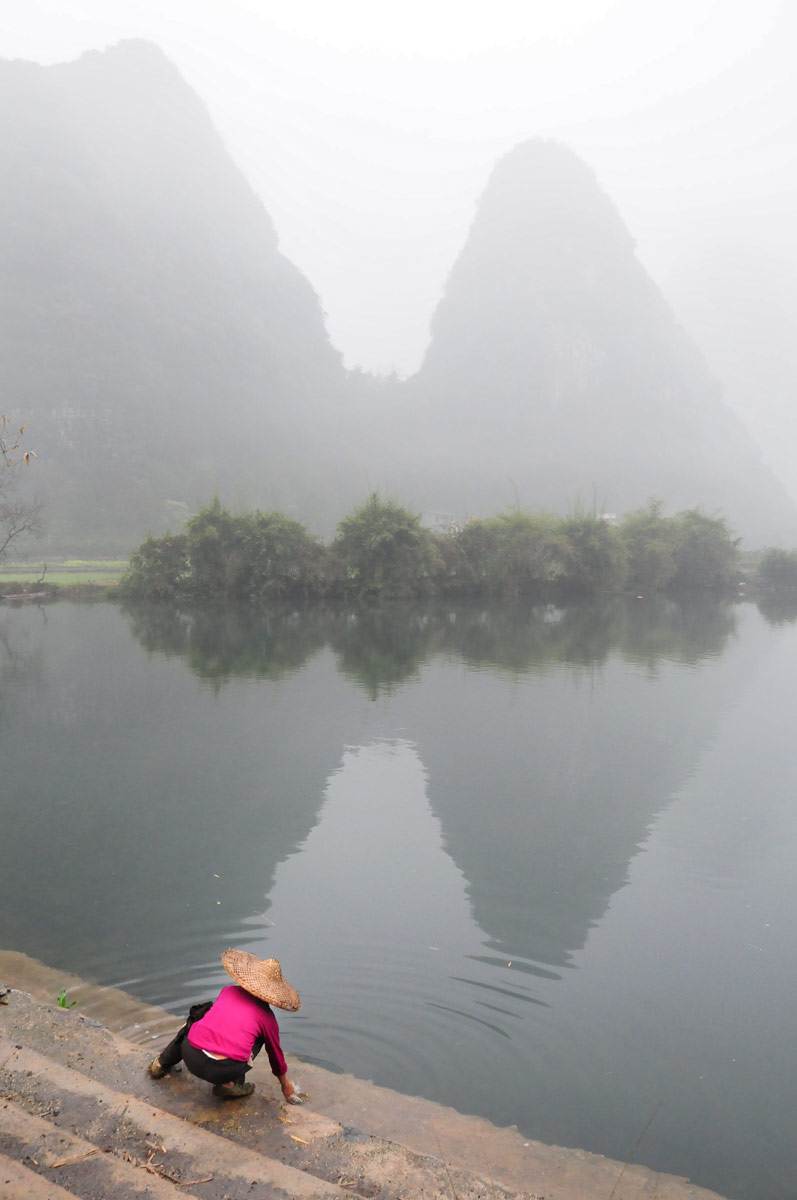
x=163, y=349
x=556, y=365
x=152, y=333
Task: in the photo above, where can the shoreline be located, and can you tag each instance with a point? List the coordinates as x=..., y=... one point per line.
x=502, y=1155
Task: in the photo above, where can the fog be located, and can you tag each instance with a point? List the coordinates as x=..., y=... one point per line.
x=370, y=131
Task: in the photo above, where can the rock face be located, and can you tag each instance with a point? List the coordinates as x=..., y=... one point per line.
x=150, y=330
x=740, y=300
x=556, y=364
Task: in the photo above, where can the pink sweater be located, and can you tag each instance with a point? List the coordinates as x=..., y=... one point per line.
x=232, y=1026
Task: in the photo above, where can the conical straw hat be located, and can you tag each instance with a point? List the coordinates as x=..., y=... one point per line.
x=262, y=977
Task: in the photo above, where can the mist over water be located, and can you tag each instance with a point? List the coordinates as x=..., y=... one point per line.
x=534, y=863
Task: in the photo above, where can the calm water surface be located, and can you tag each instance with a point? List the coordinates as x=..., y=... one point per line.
x=537, y=864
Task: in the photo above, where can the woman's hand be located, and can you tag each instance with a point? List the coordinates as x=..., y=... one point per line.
x=289, y=1091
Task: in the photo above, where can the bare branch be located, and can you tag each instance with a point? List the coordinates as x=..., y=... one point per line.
x=18, y=516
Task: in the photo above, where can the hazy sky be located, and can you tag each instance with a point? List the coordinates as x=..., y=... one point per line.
x=369, y=129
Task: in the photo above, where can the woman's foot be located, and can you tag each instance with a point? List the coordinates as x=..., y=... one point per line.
x=155, y=1069
x=233, y=1091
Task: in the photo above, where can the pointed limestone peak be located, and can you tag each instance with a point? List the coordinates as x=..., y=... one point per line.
x=547, y=258
x=556, y=363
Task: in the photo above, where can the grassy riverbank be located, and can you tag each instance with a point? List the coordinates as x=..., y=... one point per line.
x=62, y=571
x=64, y=579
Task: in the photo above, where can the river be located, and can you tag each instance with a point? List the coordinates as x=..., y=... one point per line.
x=536, y=863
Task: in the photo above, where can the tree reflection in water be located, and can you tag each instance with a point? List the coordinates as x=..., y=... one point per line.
x=380, y=649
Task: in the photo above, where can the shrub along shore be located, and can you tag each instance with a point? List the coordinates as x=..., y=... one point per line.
x=383, y=551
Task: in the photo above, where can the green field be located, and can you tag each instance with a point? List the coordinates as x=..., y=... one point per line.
x=66, y=571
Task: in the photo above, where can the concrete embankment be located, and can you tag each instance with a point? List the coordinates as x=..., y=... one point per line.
x=80, y=1116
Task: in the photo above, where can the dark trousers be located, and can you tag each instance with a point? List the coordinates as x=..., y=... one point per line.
x=213, y=1070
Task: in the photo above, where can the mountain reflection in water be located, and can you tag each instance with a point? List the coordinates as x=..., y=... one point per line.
x=499, y=852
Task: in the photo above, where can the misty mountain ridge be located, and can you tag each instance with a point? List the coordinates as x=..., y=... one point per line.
x=577, y=377
x=163, y=349
x=152, y=333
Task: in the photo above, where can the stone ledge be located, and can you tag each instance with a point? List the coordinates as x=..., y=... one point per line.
x=377, y=1142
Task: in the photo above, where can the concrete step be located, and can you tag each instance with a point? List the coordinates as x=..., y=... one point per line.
x=56, y=1162
x=16, y=1180
x=88, y=1084
x=72, y=1104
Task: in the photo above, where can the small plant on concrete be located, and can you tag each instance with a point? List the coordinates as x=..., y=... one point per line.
x=63, y=1002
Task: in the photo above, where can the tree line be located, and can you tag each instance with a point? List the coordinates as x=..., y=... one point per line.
x=382, y=550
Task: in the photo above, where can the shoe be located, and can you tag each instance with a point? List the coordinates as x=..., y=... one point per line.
x=156, y=1070
x=233, y=1091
